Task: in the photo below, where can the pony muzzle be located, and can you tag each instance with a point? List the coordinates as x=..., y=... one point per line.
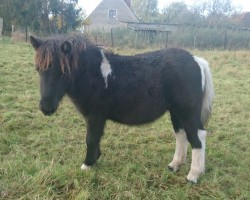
x=47, y=108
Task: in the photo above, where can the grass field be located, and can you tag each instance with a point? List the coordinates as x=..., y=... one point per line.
x=40, y=157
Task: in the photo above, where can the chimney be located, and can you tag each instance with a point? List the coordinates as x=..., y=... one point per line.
x=128, y=2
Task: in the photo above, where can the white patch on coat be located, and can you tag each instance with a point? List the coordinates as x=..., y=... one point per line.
x=105, y=69
x=198, y=159
x=202, y=64
x=85, y=167
x=180, y=150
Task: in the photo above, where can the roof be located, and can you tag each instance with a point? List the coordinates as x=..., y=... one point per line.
x=241, y=19
x=153, y=27
x=100, y=13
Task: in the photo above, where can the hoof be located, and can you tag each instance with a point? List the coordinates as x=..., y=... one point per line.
x=170, y=168
x=173, y=166
x=173, y=169
x=85, y=167
x=194, y=181
x=193, y=177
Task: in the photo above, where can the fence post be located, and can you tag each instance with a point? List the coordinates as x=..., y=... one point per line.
x=166, y=45
x=194, y=42
x=1, y=27
x=26, y=33
x=112, y=38
x=225, y=40
x=136, y=38
x=12, y=30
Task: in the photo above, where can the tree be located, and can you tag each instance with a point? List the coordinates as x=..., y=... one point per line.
x=60, y=15
x=219, y=10
x=47, y=16
x=146, y=10
x=215, y=12
x=175, y=13
x=64, y=15
x=180, y=13
x=211, y=12
x=6, y=12
x=24, y=12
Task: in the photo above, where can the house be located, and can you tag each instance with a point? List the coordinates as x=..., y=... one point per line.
x=242, y=20
x=110, y=14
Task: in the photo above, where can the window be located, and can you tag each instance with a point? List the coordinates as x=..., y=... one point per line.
x=112, y=14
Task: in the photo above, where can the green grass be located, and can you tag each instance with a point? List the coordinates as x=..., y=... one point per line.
x=40, y=157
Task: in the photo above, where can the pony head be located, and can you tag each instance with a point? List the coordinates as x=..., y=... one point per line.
x=52, y=60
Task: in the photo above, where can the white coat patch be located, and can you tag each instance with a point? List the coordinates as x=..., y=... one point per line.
x=202, y=64
x=105, y=69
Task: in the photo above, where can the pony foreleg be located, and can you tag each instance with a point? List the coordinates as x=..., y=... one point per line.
x=95, y=128
x=198, y=159
x=180, y=150
x=93, y=153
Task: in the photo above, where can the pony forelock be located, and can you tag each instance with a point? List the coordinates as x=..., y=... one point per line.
x=50, y=53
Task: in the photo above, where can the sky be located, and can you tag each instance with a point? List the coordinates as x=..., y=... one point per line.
x=90, y=5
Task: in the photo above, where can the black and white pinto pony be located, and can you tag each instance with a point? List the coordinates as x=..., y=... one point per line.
x=130, y=90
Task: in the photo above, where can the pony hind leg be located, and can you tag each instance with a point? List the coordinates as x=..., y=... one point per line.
x=181, y=144
x=196, y=136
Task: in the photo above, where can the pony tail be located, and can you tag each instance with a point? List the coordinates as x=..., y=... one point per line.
x=208, y=89
x=208, y=94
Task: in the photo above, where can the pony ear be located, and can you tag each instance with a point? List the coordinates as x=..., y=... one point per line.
x=66, y=48
x=36, y=43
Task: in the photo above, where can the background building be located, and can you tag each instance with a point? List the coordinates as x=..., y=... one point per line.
x=110, y=14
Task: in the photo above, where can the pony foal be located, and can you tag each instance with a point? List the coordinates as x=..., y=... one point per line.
x=128, y=89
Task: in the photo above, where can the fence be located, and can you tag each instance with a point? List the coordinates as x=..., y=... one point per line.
x=223, y=38
x=185, y=37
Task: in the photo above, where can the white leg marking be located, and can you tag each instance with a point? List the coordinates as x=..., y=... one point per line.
x=198, y=159
x=105, y=69
x=85, y=167
x=180, y=150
